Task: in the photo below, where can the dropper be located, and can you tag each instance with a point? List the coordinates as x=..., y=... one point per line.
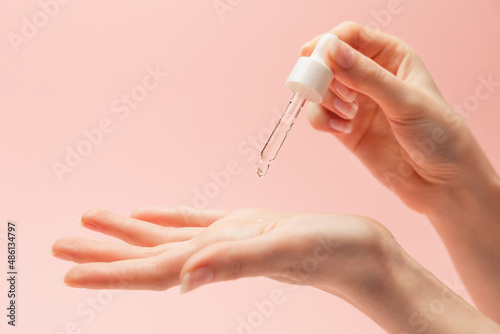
x=308, y=81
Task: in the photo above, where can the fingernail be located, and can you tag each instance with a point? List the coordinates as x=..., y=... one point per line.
x=49, y=250
x=90, y=226
x=61, y=281
x=346, y=108
x=347, y=93
x=196, y=278
x=341, y=54
x=62, y=256
x=340, y=125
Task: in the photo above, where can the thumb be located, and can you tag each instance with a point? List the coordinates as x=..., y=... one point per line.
x=230, y=260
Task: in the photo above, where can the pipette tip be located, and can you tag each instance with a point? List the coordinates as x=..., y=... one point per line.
x=261, y=172
x=262, y=167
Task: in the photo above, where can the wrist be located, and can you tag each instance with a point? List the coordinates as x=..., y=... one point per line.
x=403, y=297
x=465, y=203
x=390, y=296
x=473, y=187
x=376, y=283
x=469, y=225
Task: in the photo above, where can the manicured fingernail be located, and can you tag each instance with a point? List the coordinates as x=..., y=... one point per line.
x=196, y=278
x=343, y=55
x=90, y=226
x=61, y=281
x=347, y=93
x=62, y=256
x=346, y=108
x=340, y=125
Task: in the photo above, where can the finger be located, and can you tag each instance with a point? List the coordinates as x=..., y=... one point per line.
x=362, y=74
x=359, y=72
x=397, y=99
x=371, y=42
x=138, y=274
x=259, y=256
x=178, y=216
x=134, y=231
x=324, y=120
x=347, y=110
x=153, y=273
x=82, y=250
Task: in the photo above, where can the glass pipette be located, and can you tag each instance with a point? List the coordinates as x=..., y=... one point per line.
x=277, y=138
x=309, y=81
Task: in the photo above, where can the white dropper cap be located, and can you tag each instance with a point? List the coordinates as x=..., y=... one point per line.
x=311, y=77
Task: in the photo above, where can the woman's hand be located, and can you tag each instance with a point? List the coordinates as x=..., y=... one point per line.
x=399, y=125
x=167, y=246
x=352, y=257
x=407, y=135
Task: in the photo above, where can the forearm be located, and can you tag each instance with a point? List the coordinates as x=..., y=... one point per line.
x=406, y=298
x=469, y=225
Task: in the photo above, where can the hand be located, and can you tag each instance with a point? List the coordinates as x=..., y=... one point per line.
x=352, y=257
x=400, y=126
x=411, y=140
x=165, y=244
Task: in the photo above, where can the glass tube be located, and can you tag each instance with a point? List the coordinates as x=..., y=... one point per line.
x=273, y=145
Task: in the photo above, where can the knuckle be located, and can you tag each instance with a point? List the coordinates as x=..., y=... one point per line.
x=376, y=73
x=127, y=222
x=370, y=74
x=187, y=213
x=233, y=264
x=159, y=283
x=167, y=232
x=118, y=280
x=360, y=33
x=317, y=116
x=147, y=252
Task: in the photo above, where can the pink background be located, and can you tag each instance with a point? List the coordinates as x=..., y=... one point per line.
x=226, y=80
